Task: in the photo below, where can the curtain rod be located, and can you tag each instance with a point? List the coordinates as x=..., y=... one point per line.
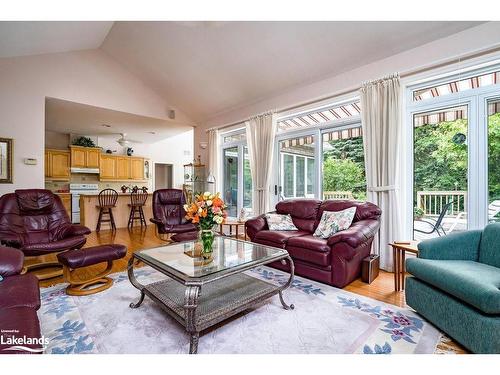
x=408, y=73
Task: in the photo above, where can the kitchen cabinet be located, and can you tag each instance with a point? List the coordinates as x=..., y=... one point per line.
x=137, y=168
x=107, y=170
x=121, y=168
x=85, y=157
x=57, y=164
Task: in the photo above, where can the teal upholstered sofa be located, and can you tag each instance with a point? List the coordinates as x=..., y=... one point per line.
x=455, y=284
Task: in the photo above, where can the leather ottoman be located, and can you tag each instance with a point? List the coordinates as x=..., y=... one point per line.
x=80, y=258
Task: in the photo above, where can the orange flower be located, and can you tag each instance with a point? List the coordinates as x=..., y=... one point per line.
x=204, y=213
x=217, y=202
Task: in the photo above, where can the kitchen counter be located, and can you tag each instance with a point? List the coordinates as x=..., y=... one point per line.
x=89, y=213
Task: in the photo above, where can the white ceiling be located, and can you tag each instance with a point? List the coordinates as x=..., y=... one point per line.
x=208, y=67
x=67, y=117
x=204, y=68
x=22, y=38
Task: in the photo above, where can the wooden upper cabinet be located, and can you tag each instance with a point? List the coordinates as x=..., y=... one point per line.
x=85, y=157
x=108, y=167
x=137, y=168
x=57, y=164
x=92, y=157
x=122, y=167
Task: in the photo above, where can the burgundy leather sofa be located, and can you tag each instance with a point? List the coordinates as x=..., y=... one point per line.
x=336, y=260
x=19, y=301
x=35, y=221
x=168, y=212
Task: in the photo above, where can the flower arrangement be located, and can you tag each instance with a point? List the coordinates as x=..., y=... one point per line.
x=206, y=210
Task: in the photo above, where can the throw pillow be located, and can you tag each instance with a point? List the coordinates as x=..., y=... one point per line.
x=280, y=222
x=334, y=221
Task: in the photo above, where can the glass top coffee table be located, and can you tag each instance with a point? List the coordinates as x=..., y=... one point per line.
x=200, y=293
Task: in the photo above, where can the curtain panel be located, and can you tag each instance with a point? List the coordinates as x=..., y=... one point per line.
x=381, y=124
x=213, y=156
x=261, y=131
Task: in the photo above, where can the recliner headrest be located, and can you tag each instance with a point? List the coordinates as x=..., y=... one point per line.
x=170, y=196
x=34, y=200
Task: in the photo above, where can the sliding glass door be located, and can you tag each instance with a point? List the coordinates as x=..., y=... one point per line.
x=237, y=179
x=440, y=171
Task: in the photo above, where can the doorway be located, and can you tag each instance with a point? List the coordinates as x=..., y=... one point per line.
x=163, y=176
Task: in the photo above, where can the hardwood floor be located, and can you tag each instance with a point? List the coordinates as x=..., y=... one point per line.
x=382, y=289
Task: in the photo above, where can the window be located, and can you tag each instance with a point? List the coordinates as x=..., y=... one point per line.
x=344, y=164
x=231, y=180
x=456, y=148
x=297, y=167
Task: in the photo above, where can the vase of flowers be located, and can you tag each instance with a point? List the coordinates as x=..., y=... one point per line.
x=207, y=210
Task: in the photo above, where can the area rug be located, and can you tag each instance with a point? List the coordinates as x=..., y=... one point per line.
x=325, y=320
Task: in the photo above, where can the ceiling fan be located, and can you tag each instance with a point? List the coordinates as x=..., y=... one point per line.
x=124, y=141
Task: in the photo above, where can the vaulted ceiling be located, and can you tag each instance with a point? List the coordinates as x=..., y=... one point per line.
x=204, y=68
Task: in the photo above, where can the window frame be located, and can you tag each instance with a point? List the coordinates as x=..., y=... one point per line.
x=477, y=135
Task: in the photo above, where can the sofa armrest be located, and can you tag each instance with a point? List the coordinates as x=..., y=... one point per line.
x=454, y=246
x=255, y=225
x=11, y=261
x=75, y=230
x=358, y=233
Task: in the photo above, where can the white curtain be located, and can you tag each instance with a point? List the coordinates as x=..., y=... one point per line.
x=261, y=131
x=213, y=156
x=381, y=123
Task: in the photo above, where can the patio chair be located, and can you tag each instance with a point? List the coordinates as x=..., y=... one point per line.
x=493, y=211
x=436, y=226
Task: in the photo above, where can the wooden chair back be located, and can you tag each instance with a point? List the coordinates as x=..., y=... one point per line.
x=138, y=198
x=108, y=198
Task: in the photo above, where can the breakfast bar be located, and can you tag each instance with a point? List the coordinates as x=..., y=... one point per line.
x=89, y=213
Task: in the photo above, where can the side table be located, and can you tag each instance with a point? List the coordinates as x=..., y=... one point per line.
x=236, y=224
x=399, y=250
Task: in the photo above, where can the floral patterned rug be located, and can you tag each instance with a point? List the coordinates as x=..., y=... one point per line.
x=325, y=320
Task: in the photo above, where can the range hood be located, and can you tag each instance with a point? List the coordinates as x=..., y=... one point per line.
x=85, y=170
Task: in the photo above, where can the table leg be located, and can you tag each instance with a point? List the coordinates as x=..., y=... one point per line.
x=221, y=231
x=190, y=304
x=403, y=269
x=395, y=268
x=237, y=226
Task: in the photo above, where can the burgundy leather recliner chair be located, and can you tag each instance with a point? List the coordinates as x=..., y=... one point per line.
x=35, y=221
x=168, y=212
x=336, y=260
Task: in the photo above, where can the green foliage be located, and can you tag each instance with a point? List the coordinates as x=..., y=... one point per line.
x=494, y=156
x=84, y=142
x=344, y=167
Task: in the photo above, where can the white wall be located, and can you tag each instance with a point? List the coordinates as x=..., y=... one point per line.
x=479, y=38
x=88, y=77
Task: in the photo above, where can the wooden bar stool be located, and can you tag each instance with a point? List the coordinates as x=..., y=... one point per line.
x=137, y=202
x=107, y=201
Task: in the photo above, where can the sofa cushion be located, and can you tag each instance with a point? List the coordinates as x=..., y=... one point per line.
x=277, y=236
x=475, y=283
x=489, y=247
x=20, y=291
x=310, y=242
x=280, y=222
x=303, y=212
x=334, y=221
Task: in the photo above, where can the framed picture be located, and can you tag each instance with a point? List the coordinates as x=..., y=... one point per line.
x=6, y=160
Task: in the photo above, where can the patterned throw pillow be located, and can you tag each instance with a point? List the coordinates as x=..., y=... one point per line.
x=280, y=222
x=334, y=221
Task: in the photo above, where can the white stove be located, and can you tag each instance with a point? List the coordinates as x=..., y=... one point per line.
x=76, y=190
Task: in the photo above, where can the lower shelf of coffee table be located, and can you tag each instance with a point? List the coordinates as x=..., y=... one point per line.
x=218, y=300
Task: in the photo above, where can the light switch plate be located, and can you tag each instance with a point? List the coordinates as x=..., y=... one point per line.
x=30, y=161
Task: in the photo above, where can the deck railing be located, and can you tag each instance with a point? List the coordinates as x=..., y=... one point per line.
x=337, y=195
x=432, y=202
